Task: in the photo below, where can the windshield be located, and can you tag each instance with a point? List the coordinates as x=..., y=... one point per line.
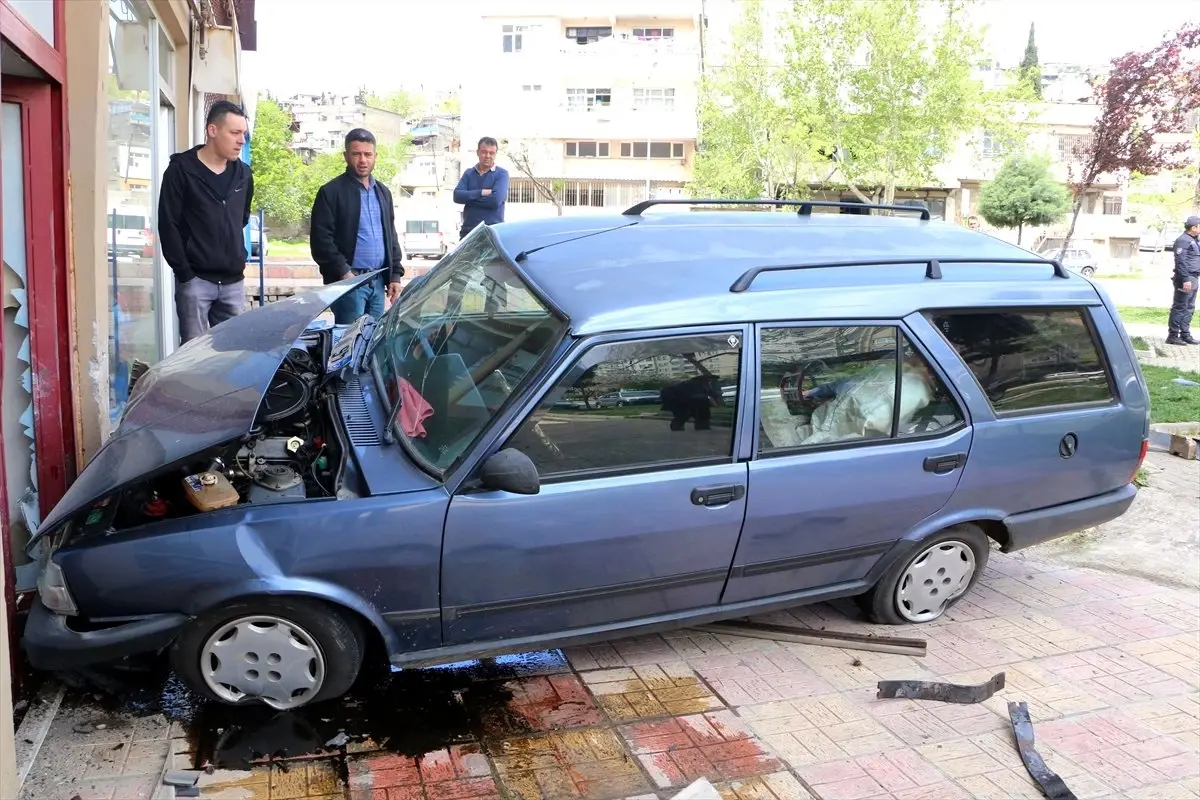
x=451, y=354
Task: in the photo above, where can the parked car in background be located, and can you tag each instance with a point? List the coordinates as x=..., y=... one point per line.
x=858, y=406
x=129, y=232
x=1076, y=259
x=629, y=397
x=258, y=238
x=423, y=237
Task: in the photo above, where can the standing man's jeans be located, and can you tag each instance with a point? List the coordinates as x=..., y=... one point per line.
x=202, y=304
x=1183, y=306
x=366, y=299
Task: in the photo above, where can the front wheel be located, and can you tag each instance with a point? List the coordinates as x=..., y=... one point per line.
x=923, y=587
x=1088, y=272
x=284, y=652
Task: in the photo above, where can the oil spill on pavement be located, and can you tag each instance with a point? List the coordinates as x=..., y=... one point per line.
x=405, y=712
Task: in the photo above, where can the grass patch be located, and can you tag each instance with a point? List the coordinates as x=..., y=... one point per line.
x=1143, y=314
x=1142, y=479
x=1170, y=402
x=290, y=249
x=1139, y=343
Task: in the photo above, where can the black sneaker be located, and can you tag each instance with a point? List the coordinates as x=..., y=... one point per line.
x=1187, y=338
x=1173, y=338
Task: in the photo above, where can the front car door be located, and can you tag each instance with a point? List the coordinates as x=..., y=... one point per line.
x=640, y=505
x=841, y=469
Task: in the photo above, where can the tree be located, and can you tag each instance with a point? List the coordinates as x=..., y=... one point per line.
x=881, y=93
x=406, y=104
x=276, y=167
x=521, y=154
x=1031, y=73
x=1148, y=95
x=748, y=145
x=1024, y=193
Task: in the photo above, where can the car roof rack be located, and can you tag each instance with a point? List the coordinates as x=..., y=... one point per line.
x=933, y=267
x=805, y=206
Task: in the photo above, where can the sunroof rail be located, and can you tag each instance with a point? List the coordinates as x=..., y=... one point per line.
x=806, y=207
x=933, y=267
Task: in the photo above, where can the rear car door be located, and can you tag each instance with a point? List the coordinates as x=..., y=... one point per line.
x=640, y=505
x=1050, y=425
x=844, y=463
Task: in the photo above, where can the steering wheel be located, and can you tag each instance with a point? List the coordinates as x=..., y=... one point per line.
x=806, y=373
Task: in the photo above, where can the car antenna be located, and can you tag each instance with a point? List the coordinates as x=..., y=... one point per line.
x=524, y=254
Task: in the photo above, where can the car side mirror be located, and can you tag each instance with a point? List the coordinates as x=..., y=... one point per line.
x=510, y=470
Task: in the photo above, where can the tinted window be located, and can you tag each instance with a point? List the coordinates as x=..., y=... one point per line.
x=1028, y=359
x=827, y=385
x=639, y=404
x=421, y=226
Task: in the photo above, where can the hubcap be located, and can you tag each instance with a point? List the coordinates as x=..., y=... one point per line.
x=263, y=657
x=934, y=578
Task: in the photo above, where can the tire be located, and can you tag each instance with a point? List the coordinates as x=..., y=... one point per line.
x=324, y=655
x=1087, y=272
x=884, y=604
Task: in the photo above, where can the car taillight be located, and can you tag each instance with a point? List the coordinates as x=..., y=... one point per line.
x=1141, y=458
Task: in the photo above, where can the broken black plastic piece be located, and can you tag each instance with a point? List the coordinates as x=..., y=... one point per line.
x=944, y=692
x=1052, y=786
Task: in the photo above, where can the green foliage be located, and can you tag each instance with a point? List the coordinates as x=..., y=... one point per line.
x=1030, y=71
x=749, y=145
x=406, y=104
x=284, y=186
x=1024, y=193
x=276, y=167
x=890, y=94
x=451, y=105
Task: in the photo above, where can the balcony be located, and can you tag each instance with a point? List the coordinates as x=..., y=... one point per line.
x=610, y=124
x=609, y=58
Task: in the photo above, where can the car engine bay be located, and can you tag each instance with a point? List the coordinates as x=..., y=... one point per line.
x=294, y=451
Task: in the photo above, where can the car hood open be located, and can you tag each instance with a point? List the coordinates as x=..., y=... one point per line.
x=204, y=394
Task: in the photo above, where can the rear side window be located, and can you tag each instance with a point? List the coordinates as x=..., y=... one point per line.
x=1029, y=360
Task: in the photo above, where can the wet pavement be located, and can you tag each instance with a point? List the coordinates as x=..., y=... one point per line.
x=1109, y=664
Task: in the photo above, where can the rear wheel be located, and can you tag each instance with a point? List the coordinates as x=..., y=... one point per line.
x=1088, y=272
x=922, y=587
x=284, y=652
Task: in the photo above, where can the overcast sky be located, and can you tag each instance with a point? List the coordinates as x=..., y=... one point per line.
x=314, y=45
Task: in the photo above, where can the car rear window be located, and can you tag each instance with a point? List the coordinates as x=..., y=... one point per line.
x=1029, y=359
x=421, y=226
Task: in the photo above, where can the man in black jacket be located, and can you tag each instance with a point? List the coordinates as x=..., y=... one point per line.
x=203, y=209
x=352, y=230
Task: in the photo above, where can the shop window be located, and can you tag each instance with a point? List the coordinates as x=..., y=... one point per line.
x=130, y=264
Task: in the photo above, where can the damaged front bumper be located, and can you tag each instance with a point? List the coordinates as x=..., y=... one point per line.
x=51, y=644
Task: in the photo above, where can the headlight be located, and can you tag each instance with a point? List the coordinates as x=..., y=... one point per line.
x=52, y=586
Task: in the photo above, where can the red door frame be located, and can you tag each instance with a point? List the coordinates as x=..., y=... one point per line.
x=48, y=277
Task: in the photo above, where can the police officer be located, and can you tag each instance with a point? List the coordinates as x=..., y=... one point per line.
x=1186, y=280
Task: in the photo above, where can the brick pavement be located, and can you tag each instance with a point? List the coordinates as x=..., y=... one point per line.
x=1109, y=665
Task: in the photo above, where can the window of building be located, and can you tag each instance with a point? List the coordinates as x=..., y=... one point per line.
x=657, y=149
x=1073, y=146
x=650, y=34
x=587, y=149
x=654, y=99
x=531, y=87
x=639, y=405
x=513, y=37
x=990, y=146
x=1028, y=360
x=587, y=99
x=829, y=385
x=588, y=35
x=1113, y=205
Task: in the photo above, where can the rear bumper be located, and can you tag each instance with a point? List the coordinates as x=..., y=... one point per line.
x=51, y=645
x=1034, y=527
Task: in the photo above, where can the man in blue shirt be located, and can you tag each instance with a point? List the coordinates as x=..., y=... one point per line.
x=483, y=189
x=353, y=231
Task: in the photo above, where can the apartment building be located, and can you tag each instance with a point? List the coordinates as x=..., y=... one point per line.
x=321, y=122
x=593, y=111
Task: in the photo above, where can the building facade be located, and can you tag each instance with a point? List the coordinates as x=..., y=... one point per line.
x=320, y=122
x=594, y=111
x=94, y=104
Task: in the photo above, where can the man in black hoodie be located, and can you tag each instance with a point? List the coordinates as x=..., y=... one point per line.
x=203, y=209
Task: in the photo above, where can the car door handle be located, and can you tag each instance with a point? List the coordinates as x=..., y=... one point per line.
x=717, y=495
x=940, y=465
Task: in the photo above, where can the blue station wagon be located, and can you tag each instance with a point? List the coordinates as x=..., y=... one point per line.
x=845, y=405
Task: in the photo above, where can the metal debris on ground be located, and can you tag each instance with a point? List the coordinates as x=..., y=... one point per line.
x=962, y=694
x=1052, y=785
x=792, y=633
x=338, y=741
